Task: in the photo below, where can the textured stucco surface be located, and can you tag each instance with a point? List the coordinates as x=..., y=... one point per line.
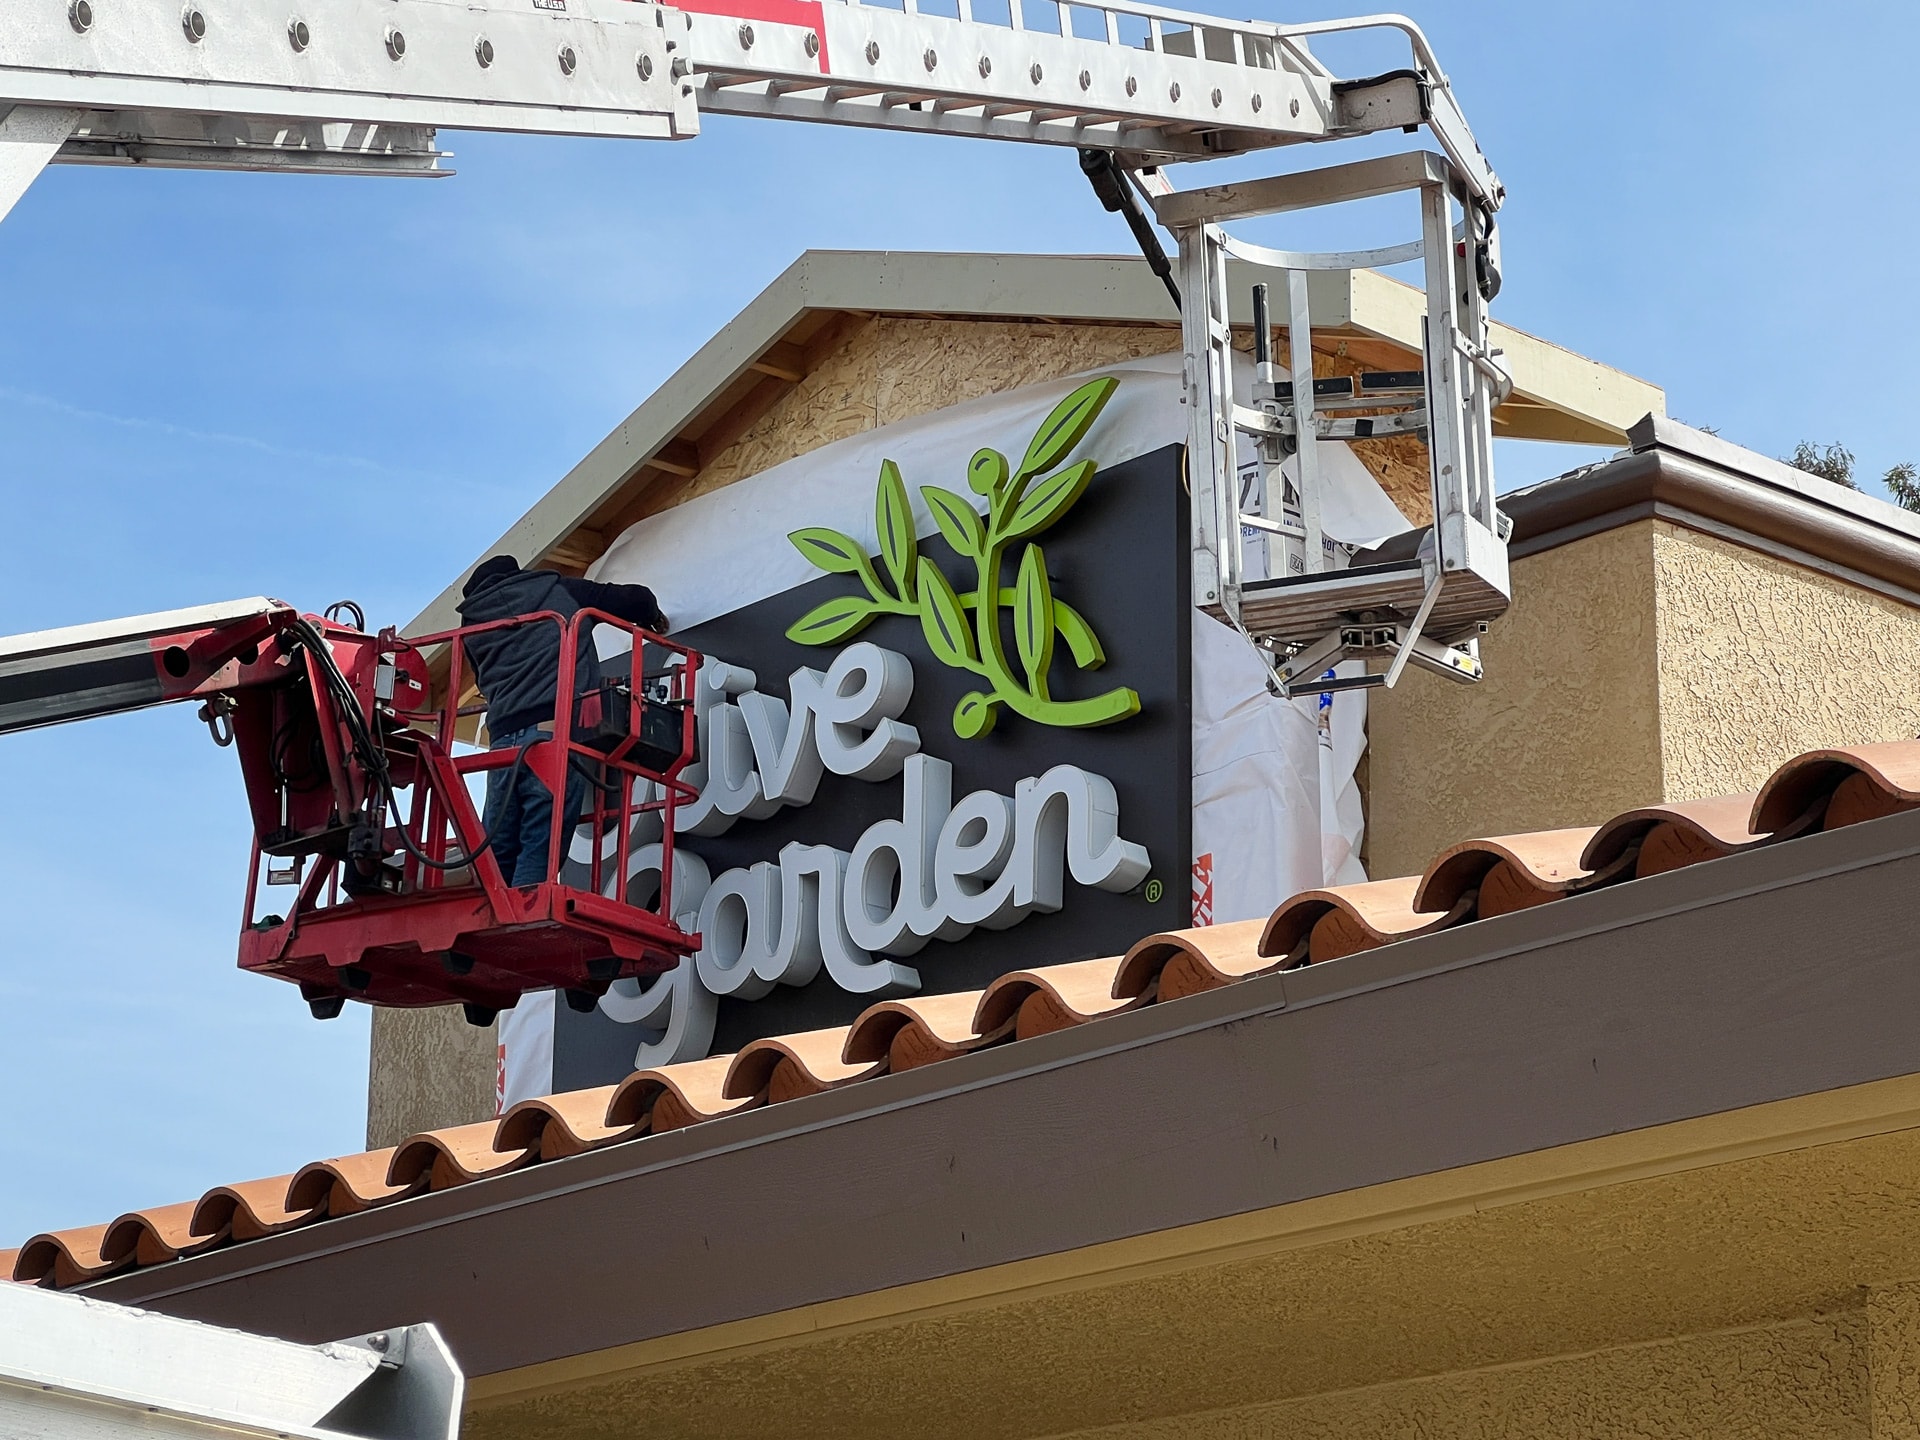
x=1772, y=1243
x=426, y=1069
x=1564, y=730
x=1651, y=662
x=1802, y=1379
x=1761, y=660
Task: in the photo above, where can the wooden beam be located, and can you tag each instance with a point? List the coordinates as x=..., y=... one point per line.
x=783, y=360
x=677, y=457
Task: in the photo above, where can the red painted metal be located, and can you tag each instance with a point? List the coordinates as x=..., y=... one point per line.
x=397, y=900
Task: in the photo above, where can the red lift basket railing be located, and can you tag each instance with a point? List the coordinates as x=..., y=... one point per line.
x=423, y=915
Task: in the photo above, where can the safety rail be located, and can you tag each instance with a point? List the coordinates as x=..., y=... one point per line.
x=608, y=771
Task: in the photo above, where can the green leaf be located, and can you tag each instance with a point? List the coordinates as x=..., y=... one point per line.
x=1048, y=500
x=949, y=635
x=986, y=472
x=835, y=553
x=893, y=520
x=1033, y=620
x=1088, y=652
x=974, y=715
x=956, y=519
x=1062, y=429
x=833, y=621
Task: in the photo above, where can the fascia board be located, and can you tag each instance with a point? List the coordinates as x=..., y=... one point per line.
x=1595, y=403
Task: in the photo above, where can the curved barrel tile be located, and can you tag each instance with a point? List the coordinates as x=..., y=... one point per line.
x=1175, y=963
x=1341, y=920
x=64, y=1258
x=787, y=1067
x=1512, y=872
x=153, y=1237
x=1808, y=782
x=1659, y=838
x=556, y=1126
x=918, y=1031
x=346, y=1184
x=670, y=1097
x=454, y=1156
x=1052, y=997
x=248, y=1210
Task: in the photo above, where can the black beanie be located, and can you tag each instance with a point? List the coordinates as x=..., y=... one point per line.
x=491, y=568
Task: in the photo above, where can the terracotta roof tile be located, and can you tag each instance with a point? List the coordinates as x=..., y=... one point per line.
x=1321, y=925
x=786, y=1067
x=1052, y=997
x=1822, y=789
x=345, y=1185
x=556, y=1126
x=1186, y=962
x=1889, y=777
x=673, y=1096
x=248, y=1210
x=1511, y=872
x=1658, y=838
x=153, y=1237
x=455, y=1156
x=919, y=1030
x=65, y=1257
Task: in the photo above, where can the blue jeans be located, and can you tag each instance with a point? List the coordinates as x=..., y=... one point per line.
x=519, y=816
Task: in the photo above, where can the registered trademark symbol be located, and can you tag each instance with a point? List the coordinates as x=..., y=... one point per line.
x=1154, y=890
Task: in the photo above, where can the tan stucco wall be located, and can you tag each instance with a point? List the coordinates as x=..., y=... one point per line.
x=1760, y=660
x=1646, y=663
x=426, y=1069
x=1564, y=730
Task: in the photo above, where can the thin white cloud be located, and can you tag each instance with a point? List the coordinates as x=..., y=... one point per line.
x=215, y=437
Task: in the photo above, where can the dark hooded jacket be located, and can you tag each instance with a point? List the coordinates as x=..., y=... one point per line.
x=518, y=668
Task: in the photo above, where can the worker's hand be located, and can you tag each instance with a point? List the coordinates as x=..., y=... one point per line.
x=665, y=626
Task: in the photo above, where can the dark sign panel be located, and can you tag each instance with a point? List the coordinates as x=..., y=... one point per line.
x=1119, y=560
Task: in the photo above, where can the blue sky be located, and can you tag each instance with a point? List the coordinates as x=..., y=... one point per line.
x=222, y=385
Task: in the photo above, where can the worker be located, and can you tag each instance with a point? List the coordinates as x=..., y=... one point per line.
x=518, y=670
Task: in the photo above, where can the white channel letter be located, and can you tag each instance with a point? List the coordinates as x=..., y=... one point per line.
x=901, y=853
x=1071, y=815
x=783, y=742
x=724, y=773
x=738, y=920
x=866, y=687
x=675, y=1007
x=971, y=873
x=814, y=882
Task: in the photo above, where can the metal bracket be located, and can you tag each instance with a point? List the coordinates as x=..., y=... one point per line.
x=30, y=136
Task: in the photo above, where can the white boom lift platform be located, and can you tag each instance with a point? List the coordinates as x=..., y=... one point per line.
x=362, y=87
x=72, y=1368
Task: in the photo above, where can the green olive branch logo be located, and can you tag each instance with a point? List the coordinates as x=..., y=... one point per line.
x=965, y=632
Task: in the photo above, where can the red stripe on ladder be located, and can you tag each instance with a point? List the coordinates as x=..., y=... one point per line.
x=807, y=13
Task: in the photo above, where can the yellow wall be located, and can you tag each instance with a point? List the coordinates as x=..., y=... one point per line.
x=1743, y=1274
x=1807, y=1378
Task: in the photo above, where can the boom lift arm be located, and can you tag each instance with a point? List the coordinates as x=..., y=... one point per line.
x=360, y=800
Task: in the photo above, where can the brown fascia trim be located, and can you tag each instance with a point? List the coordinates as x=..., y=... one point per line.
x=1780, y=972
x=1697, y=480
